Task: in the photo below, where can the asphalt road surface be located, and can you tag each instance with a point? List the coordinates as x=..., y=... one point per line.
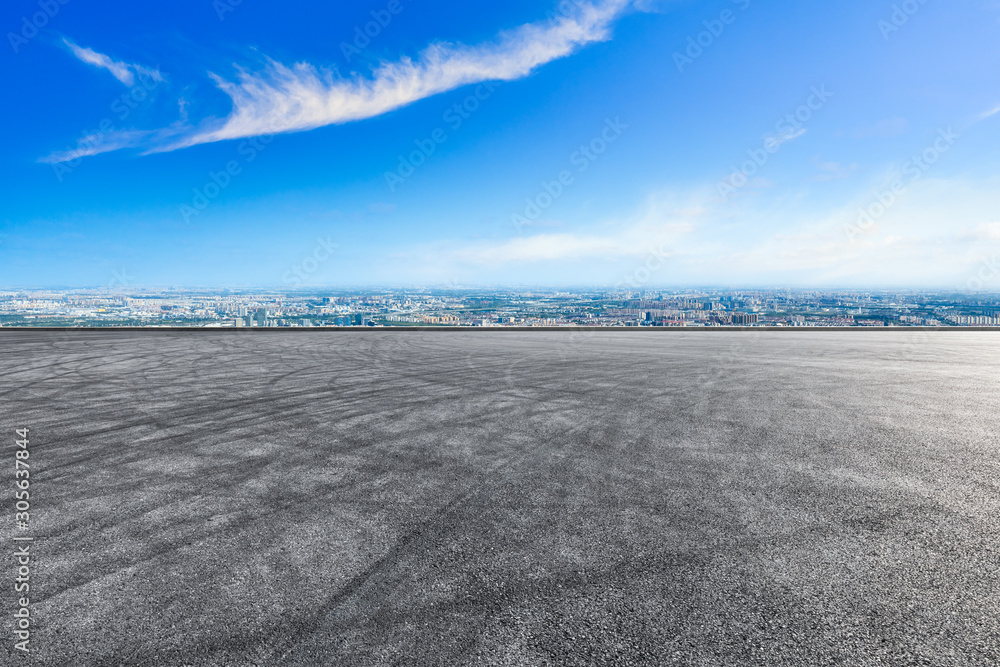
x=505, y=498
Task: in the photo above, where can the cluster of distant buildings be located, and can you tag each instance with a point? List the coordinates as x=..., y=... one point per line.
x=494, y=308
x=262, y=318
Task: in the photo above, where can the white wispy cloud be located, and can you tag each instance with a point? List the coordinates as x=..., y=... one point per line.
x=992, y=112
x=124, y=72
x=94, y=144
x=775, y=140
x=283, y=98
x=984, y=232
x=99, y=142
x=658, y=225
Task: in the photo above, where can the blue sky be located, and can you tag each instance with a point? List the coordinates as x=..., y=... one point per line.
x=731, y=142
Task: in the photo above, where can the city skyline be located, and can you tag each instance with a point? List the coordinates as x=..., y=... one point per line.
x=394, y=143
x=489, y=308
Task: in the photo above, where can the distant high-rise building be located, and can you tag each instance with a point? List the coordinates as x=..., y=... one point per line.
x=261, y=317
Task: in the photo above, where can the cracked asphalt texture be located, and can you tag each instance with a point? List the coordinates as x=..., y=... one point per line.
x=508, y=498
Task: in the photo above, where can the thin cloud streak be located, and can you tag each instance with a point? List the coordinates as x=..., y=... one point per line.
x=774, y=141
x=662, y=221
x=96, y=144
x=122, y=71
x=989, y=114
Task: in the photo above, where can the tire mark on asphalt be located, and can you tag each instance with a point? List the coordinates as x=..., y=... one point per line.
x=379, y=574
